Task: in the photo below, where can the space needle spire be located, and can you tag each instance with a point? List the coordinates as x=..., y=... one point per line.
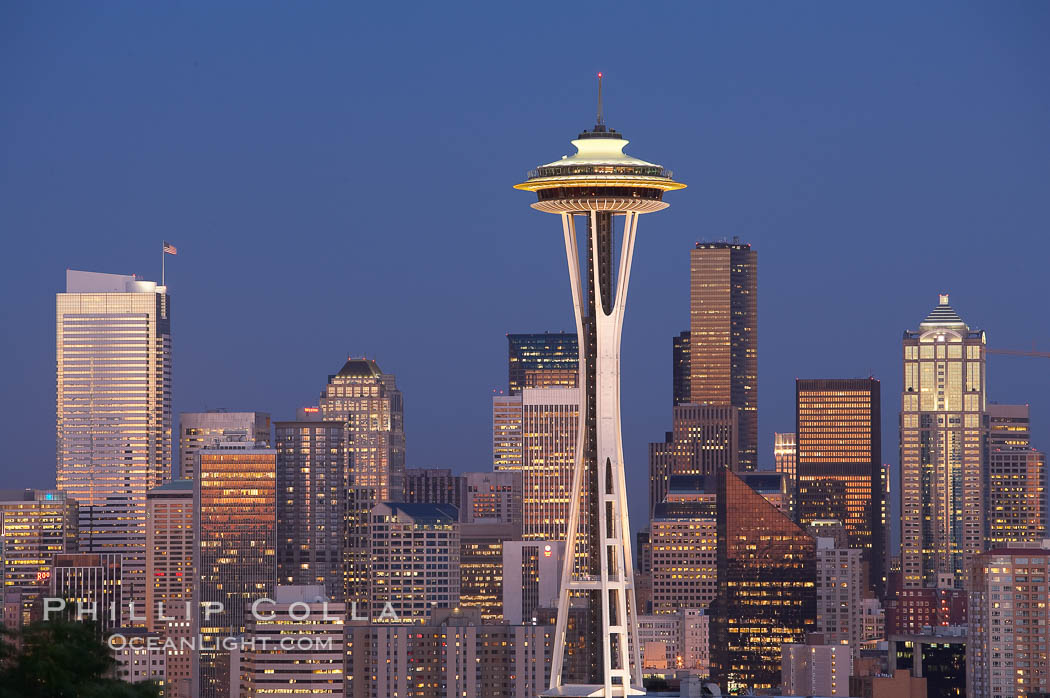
x=596, y=187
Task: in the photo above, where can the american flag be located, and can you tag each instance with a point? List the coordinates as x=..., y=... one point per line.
x=169, y=248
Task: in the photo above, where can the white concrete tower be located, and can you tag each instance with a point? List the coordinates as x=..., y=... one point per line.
x=599, y=182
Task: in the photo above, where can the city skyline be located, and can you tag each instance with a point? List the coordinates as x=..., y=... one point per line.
x=824, y=144
x=309, y=402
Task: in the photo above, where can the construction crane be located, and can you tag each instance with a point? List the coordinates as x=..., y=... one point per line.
x=1020, y=352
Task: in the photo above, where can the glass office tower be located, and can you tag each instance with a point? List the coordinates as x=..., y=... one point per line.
x=767, y=594
x=113, y=351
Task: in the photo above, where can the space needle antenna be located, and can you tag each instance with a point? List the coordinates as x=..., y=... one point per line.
x=601, y=122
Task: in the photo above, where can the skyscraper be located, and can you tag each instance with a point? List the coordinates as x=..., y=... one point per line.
x=236, y=540
x=199, y=430
x=414, y=561
x=506, y=432
x=600, y=182
x=492, y=498
x=785, y=455
x=35, y=526
x=941, y=443
x=1015, y=478
x=313, y=474
x=550, y=425
x=434, y=486
x=723, y=335
x=681, y=376
x=839, y=462
x=369, y=403
x=542, y=361
x=1007, y=628
x=766, y=587
x=171, y=578
x=114, y=410
x=703, y=441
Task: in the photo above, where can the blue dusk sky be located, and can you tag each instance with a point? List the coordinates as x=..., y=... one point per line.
x=338, y=180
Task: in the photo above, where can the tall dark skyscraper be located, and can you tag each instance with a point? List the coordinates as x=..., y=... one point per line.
x=542, y=360
x=313, y=473
x=767, y=594
x=680, y=371
x=723, y=335
x=839, y=462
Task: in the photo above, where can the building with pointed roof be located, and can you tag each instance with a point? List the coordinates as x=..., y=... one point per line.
x=941, y=447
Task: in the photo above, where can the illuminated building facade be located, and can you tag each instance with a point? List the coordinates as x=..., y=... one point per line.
x=1015, y=478
x=414, y=555
x=481, y=567
x=92, y=582
x=941, y=446
x=680, y=371
x=550, y=424
x=702, y=442
x=236, y=540
x=785, y=456
x=542, y=360
x=298, y=645
x=492, y=498
x=506, y=432
x=839, y=462
x=816, y=670
x=368, y=402
x=313, y=474
x=35, y=526
x=114, y=358
x=171, y=578
x=766, y=588
x=454, y=654
x=840, y=586
x=199, y=430
x=723, y=335
x=683, y=537
x=1008, y=631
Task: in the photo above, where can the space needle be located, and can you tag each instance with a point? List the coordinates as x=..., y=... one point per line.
x=596, y=186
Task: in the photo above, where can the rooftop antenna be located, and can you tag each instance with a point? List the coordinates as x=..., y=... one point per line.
x=601, y=122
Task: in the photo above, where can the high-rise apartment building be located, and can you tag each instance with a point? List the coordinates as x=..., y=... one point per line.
x=941, y=445
x=680, y=369
x=199, y=430
x=415, y=561
x=544, y=360
x=236, y=540
x=703, y=441
x=454, y=654
x=766, y=587
x=816, y=670
x=114, y=410
x=839, y=462
x=723, y=335
x=1008, y=629
x=313, y=474
x=1014, y=478
x=368, y=402
x=840, y=586
x=506, y=432
x=171, y=579
x=550, y=424
x=683, y=537
x=296, y=645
